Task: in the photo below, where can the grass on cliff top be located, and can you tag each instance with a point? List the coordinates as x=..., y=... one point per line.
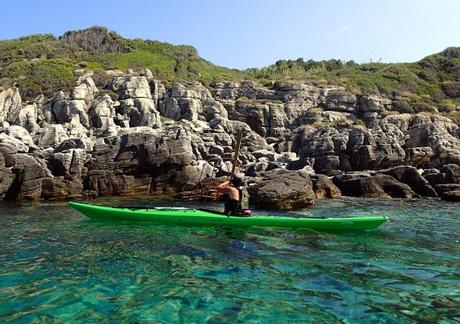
x=426, y=85
x=44, y=64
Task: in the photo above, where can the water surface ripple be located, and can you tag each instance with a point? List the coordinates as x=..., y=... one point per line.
x=57, y=266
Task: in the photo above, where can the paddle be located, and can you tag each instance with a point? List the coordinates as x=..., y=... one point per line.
x=237, y=153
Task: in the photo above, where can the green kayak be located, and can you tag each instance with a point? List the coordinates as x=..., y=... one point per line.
x=172, y=215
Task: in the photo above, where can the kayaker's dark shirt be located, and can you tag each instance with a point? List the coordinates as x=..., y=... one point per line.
x=232, y=207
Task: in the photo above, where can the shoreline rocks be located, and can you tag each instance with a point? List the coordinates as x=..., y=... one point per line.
x=301, y=142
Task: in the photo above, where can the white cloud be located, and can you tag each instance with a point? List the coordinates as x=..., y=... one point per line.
x=344, y=28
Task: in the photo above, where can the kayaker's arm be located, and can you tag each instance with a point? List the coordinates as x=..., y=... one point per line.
x=224, y=185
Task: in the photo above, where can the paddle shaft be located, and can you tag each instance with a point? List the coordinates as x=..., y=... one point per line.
x=237, y=153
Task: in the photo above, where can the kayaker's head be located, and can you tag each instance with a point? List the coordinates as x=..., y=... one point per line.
x=237, y=182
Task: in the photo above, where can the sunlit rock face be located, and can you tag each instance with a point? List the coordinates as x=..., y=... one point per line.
x=300, y=142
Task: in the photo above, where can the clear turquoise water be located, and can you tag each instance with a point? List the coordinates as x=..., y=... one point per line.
x=56, y=266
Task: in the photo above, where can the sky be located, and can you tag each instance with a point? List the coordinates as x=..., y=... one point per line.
x=255, y=33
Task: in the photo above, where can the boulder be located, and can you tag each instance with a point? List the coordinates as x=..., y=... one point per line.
x=410, y=176
x=283, y=190
x=324, y=187
x=377, y=186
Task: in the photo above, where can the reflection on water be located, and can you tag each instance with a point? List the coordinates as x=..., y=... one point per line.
x=55, y=265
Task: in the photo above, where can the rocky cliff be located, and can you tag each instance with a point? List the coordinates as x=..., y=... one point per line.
x=138, y=135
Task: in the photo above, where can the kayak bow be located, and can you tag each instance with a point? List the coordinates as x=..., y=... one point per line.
x=189, y=216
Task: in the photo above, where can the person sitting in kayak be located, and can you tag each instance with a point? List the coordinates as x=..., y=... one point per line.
x=230, y=188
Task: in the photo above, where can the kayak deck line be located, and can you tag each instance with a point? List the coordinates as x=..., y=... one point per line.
x=191, y=216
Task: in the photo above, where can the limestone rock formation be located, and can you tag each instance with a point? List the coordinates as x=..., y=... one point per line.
x=283, y=190
x=139, y=135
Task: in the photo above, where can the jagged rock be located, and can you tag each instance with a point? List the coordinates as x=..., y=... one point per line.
x=251, y=140
x=183, y=108
x=141, y=112
x=324, y=187
x=28, y=176
x=136, y=101
x=158, y=91
x=266, y=119
x=227, y=90
x=214, y=109
x=283, y=190
x=191, y=174
x=131, y=87
x=186, y=102
x=339, y=100
x=125, y=185
x=63, y=110
x=419, y=156
x=327, y=164
x=370, y=106
x=270, y=155
x=217, y=150
x=449, y=173
x=69, y=164
x=59, y=188
x=74, y=143
x=10, y=105
x=52, y=136
x=287, y=157
x=338, y=117
x=27, y=118
x=98, y=181
x=10, y=145
x=147, y=73
x=190, y=90
x=378, y=147
x=103, y=112
x=378, y=186
x=437, y=133
x=86, y=88
x=20, y=134
x=277, y=121
x=410, y=176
